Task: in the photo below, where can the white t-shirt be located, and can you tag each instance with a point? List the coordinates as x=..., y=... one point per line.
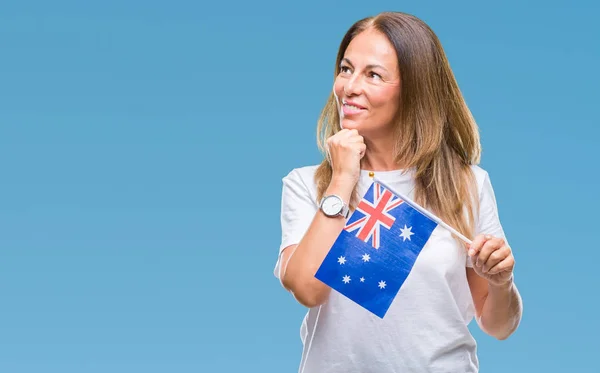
x=425, y=328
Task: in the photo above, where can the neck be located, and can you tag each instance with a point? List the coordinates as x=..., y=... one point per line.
x=380, y=155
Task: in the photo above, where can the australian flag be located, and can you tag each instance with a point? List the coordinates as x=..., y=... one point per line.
x=376, y=250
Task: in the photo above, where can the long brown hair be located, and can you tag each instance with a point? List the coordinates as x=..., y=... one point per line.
x=437, y=135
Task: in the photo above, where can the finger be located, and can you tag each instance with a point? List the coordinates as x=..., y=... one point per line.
x=357, y=139
x=338, y=139
x=495, y=258
x=331, y=141
x=505, y=265
x=362, y=148
x=488, y=248
x=476, y=245
x=349, y=133
x=338, y=135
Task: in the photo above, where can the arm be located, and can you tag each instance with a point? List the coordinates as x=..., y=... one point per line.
x=304, y=254
x=300, y=262
x=498, y=304
x=498, y=308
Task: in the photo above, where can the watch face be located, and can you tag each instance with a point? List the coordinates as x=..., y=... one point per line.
x=332, y=205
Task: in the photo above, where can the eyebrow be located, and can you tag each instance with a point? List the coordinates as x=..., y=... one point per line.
x=368, y=66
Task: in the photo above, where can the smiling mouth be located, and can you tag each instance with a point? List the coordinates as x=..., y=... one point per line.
x=352, y=107
x=349, y=110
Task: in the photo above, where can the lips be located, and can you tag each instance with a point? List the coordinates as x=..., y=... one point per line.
x=352, y=105
x=351, y=109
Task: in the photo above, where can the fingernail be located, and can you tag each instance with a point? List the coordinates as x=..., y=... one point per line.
x=471, y=252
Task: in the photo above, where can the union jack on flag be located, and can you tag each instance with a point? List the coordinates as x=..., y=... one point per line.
x=375, y=207
x=376, y=250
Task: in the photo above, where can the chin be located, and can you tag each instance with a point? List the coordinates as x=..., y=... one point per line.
x=350, y=124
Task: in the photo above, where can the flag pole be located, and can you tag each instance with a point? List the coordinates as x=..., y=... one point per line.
x=422, y=210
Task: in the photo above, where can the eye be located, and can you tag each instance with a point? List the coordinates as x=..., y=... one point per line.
x=344, y=69
x=374, y=75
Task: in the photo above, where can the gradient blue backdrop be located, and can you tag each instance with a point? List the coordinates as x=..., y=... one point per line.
x=142, y=147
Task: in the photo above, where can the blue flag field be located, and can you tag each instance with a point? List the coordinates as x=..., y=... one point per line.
x=376, y=250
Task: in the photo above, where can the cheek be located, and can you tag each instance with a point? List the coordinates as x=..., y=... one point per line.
x=385, y=99
x=338, y=87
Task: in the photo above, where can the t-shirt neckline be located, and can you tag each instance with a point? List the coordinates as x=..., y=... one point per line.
x=389, y=176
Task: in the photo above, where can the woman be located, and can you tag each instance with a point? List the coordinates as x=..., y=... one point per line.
x=396, y=111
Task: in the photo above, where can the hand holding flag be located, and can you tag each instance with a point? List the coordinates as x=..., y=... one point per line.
x=492, y=259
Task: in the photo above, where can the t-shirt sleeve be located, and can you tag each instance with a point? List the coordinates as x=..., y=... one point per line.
x=488, y=220
x=297, y=212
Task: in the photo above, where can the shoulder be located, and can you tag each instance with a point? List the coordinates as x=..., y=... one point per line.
x=482, y=177
x=301, y=181
x=304, y=175
x=485, y=191
x=480, y=173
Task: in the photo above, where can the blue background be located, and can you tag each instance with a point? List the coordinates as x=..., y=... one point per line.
x=142, y=147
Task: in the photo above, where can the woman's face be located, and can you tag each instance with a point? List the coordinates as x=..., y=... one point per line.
x=367, y=88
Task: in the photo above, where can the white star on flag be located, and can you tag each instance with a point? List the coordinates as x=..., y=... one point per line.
x=362, y=279
x=341, y=260
x=406, y=233
x=366, y=257
x=381, y=284
x=346, y=279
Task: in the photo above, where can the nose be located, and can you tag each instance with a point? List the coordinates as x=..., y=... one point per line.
x=353, y=86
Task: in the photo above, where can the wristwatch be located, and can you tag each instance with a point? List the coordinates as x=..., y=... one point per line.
x=333, y=205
